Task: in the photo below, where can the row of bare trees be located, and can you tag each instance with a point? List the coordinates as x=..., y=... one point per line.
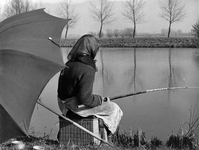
x=103, y=12
x=171, y=10
x=15, y=7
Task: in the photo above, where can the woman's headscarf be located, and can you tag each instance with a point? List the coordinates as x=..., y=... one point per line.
x=86, y=45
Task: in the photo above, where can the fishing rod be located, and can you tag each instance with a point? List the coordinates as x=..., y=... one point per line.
x=142, y=92
x=74, y=123
x=151, y=90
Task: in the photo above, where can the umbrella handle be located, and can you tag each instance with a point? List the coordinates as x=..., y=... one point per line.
x=50, y=39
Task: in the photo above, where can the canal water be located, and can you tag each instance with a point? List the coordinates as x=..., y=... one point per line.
x=127, y=70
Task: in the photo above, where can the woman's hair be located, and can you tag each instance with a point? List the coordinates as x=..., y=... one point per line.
x=86, y=45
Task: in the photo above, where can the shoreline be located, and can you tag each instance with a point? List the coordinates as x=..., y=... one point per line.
x=143, y=42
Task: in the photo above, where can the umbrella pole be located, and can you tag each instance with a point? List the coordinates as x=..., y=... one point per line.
x=151, y=90
x=74, y=123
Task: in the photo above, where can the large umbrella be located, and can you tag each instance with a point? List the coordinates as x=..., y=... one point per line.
x=28, y=60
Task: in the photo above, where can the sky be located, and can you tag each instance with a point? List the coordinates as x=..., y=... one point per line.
x=54, y=1
x=152, y=22
x=46, y=1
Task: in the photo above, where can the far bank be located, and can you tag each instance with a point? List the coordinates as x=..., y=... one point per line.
x=142, y=42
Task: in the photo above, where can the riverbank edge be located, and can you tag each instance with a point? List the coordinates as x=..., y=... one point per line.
x=142, y=42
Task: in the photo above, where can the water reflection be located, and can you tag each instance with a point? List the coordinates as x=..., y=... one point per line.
x=175, y=73
x=133, y=74
x=196, y=57
x=126, y=70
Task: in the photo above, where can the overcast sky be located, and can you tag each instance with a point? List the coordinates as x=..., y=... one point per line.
x=55, y=1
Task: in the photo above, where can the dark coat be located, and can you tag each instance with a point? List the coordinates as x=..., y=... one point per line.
x=77, y=81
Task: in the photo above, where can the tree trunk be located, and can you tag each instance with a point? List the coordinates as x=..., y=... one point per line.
x=66, y=33
x=134, y=30
x=169, y=31
x=100, y=31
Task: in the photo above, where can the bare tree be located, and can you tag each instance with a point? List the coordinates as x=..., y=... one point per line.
x=109, y=32
x=116, y=33
x=133, y=11
x=102, y=13
x=67, y=11
x=14, y=7
x=172, y=11
x=195, y=29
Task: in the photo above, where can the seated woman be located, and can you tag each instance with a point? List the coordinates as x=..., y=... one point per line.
x=75, y=86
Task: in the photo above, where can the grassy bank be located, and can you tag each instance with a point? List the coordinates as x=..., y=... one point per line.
x=155, y=42
x=134, y=140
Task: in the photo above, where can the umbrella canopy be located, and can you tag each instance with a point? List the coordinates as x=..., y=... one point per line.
x=28, y=60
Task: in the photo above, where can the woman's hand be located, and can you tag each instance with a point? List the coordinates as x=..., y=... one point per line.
x=106, y=99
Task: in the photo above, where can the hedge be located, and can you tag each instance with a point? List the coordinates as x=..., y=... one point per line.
x=162, y=42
